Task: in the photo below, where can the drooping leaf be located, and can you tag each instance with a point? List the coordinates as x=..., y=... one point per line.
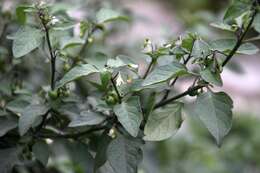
x=164, y=73
x=124, y=155
x=107, y=15
x=163, y=122
x=26, y=39
x=29, y=116
x=211, y=77
x=41, y=151
x=6, y=124
x=87, y=118
x=129, y=115
x=76, y=72
x=215, y=111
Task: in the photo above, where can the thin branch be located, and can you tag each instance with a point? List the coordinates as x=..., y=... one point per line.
x=187, y=92
x=149, y=68
x=116, y=89
x=72, y=135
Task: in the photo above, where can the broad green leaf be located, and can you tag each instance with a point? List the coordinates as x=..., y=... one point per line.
x=29, y=117
x=124, y=155
x=236, y=10
x=223, y=26
x=211, y=77
x=256, y=23
x=129, y=115
x=41, y=152
x=101, y=156
x=248, y=49
x=17, y=106
x=76, y=72
x=107, y=15
x=163, y=122
x=121, y=61
x=87, y=118
x=99, y=60
x=6, y=124
x=200, y=49
x=215, y=111
x=26, y=39
x=223, y=45
x=164, y=73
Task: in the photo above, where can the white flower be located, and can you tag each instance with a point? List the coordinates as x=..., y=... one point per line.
x=119, y=80
x=54, y=20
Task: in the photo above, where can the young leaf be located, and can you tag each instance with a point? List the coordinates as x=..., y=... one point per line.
x=26, y=39
x=71, y=42
x=107, y=15
x=21, y=13
x=215, y=111
x=87, y=118
x=129, y=115
x=76, y=72
x=41, y=152
x=124, y=155
x=164, y=122
x=30, y=116
x=211, y=77
x=164, y=73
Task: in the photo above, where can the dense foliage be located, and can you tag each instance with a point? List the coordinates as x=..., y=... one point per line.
x=93, y=112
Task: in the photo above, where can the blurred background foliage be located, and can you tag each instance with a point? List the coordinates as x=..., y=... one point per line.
x=192, y=149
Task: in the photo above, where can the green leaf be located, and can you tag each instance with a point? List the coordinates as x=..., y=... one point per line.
x=223, y=26
x=41, y=152
x=9, y=158
x=87, y=118
x=223, y=45
x=248, y=49
x=101, y=156
x=200, y=49
x=26, y=39
x=71, y=42
x=17, y=106
x=6, y=124
x=124, y=155
x=256, y=23
x=164, y=73
x=121, y=61
x=29, y=117
x=108, y=15
x=215, y=111
x=21, y=13
x=99, y=60
x=236, y=10
x=76, y=72
x=163, y=122
x=211, y=77
x=129, y=115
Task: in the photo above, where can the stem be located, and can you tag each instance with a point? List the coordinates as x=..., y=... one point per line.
x=52, y=55
x=149, y=68
x=116, y=89
x=72, y=135
x=187, y=92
